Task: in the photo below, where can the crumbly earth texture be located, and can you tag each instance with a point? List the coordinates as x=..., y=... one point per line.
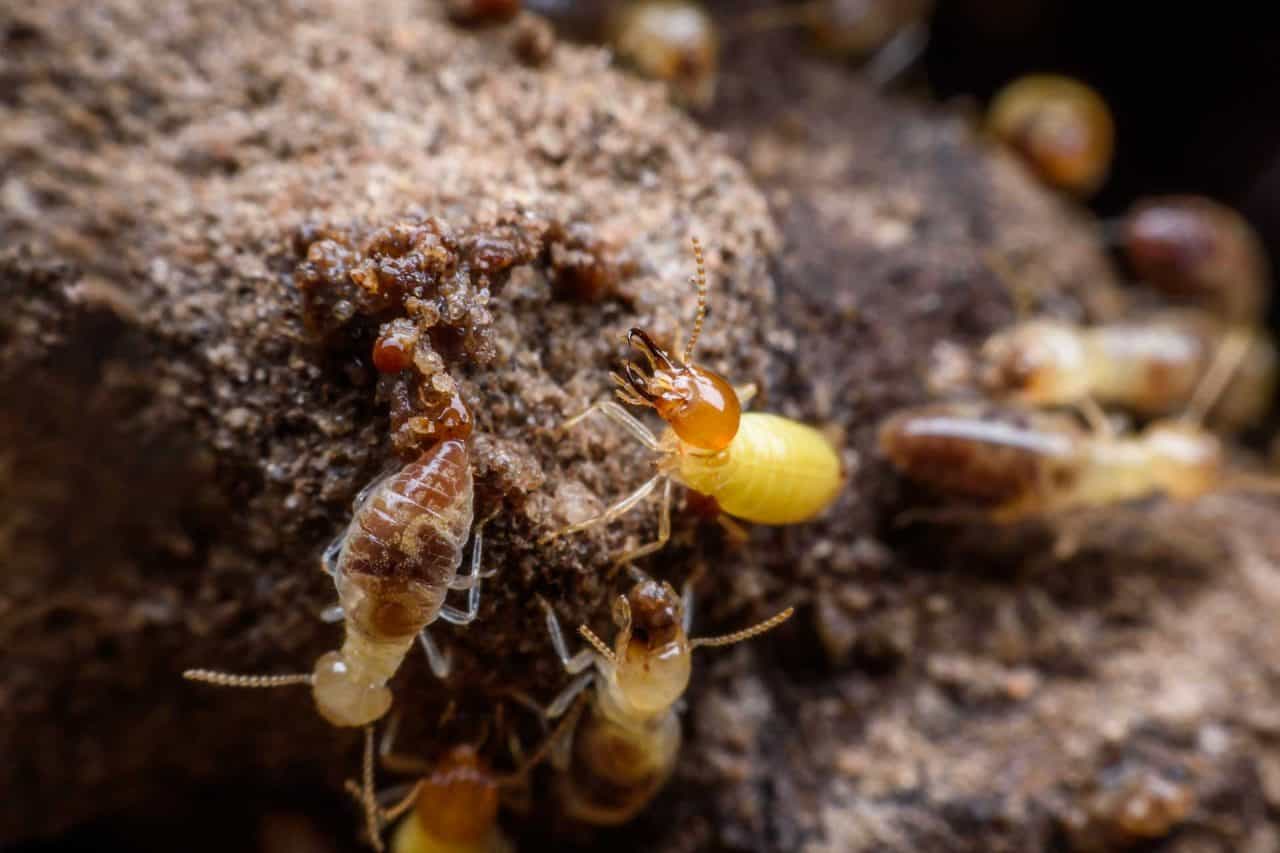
x=206, y=210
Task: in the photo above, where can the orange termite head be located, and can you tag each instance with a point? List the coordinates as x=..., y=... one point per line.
x=700, y=406
x=458, y=802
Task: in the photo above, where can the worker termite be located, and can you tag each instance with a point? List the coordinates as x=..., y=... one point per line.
x=757, y=467
x=453, y=807
x=1060, y=128
x=670, y=40
x=617, y=758
x=1021, y=464
x=1151, y=367
x=392, y=567
x=1199, y=251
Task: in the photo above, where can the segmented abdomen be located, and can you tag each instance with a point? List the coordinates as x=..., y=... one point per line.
x=615, y=770
x=988, y=454
x=405, y=541
x=776, y=471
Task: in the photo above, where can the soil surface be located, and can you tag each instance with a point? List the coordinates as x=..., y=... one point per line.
x=210, y=213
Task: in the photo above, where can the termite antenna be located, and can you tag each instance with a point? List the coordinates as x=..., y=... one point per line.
x=231, y=679
x=368, y=799
x=590, y=637
x=745, y=634
x=1226, y=361
x=699, y=281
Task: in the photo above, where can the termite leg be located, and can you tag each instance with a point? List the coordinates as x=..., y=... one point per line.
x=329, y=560
x=371, y=810
x=619, y=509
x=664, y=531
x=333, y=613
x=898, y=55
x=746, y=393
x=562, y=702
x=472, y=579
x=573, y=664
x=1226, y=361
x=686, y=604
x=1096, y=419
x=735, y=531
x=436, y=659
x=453, y=615
x=614, y=412
x=394, y=761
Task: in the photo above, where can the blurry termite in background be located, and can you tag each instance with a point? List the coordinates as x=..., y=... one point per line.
x=1020, y=464
x=1199, y=252
x=393, y=567
x=620, y=754
x=1059, y=127
x=888, y=36
x=1149, y=367
x=670, y=40
x=757, y=467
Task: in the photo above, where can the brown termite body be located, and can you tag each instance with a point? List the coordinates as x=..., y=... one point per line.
x=670, y=40
x=757, y=467
x=1059, y=127
x=1021, y=464
x=392, y=567
x=619, y=755
x=1150, y=367
x=1198, y=251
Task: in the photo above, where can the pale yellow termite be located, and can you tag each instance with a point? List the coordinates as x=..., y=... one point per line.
x=1170, y=362
x=755, y=466
x=621, y=753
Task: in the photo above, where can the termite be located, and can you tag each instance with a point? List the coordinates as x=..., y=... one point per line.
x=392, y=567
x=1059, y=127
x=1022, y=464
x=453, y=806
x=1151, y=367
x=670, y=40
x=1196, y=250
x=757, y=467
x=615, y=759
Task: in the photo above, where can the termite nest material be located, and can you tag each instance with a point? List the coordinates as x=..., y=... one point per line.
x=410, y=300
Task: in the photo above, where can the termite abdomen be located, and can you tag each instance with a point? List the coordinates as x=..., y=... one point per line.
x=991, y=457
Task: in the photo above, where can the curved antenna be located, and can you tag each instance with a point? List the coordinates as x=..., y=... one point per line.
x=699, y=281
x=369, y=800
x=599, y=644
x=1227, y=359
x=231, y=679
x=745, y=633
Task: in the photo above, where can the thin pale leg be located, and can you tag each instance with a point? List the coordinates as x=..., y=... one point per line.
x=746, y=393
x=618, y=510
x=1226, y=361
x=686, y=604
x=394, y=761
x=573, y=664
x=453, y=615
x=620, y=416
x=561, y=703
x=437, y=660
x=1096, y=419
x=735, y=531
x=473, y=578
x=898, y=55
x=333, y=613
x=664, y=530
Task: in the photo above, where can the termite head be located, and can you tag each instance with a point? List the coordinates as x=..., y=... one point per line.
x=1038, y=362
x=1186, y=459
x=652, y=650
x=674, y=41
x=343, y=696
x=700, y=406
x=1061, y=128
x=458, y=802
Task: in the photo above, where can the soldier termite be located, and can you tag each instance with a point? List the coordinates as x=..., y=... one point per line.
x=392, y=567
x=1198, y=251
x=620, y=754
x=670, y=40
x=1150, y=367
x=757, y=467
x=1021, y=464
x=1059, y=127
